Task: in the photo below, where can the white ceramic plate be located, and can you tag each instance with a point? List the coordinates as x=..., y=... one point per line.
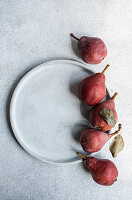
x=45, y=113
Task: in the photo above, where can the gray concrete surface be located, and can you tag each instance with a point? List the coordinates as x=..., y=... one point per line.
x=35, y=31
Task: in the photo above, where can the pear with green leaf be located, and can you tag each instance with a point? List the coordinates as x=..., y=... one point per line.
x=103, y=116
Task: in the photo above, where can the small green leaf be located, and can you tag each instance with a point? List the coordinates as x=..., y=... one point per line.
x=116, y=145
x=108, y=116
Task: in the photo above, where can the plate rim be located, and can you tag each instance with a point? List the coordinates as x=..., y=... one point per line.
x=12, y=103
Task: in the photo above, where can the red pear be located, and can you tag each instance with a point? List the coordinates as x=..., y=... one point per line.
x=93, y=140
x=92, y=49
x=103, y=116
x=91, y=90
x=103, y=171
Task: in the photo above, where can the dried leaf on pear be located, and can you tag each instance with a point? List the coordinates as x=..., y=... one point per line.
x=116, y=145
x=108, y=116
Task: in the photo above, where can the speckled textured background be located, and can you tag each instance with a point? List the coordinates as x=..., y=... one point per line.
x=35, y=31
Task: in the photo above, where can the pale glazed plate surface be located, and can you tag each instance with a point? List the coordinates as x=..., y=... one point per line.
x=46, y=115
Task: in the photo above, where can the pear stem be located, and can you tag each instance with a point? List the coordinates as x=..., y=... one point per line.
x=114, y=96
x=116, y=132
x=105, y=69
x=72, y=35
x=81, y=155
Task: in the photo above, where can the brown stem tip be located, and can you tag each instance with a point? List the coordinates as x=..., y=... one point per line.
x=81, y=155
x=105, y=69
x=116, y=132
x=72, y=35
x=114, y=96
